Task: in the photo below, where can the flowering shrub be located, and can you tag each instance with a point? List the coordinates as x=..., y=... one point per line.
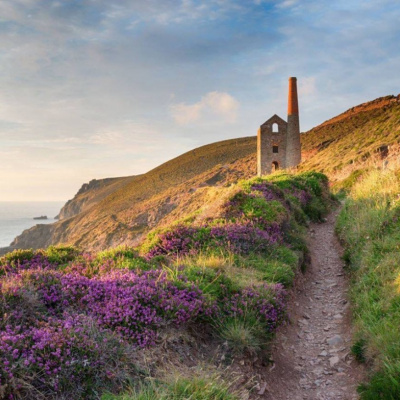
x=267, y=303
x=58, y=345
x=302, y=196
x=236, y=237
x=71, y=320
x=132, y=305
x=59, y=356
x=35, y=261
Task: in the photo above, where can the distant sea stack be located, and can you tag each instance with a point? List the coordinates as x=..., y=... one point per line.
x=278, y=141
x=42, y=217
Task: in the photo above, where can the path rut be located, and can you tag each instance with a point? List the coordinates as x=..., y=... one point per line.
x=312, y=358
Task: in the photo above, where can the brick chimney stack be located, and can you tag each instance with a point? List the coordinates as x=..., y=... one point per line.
x=293, y=104
x=293, y=146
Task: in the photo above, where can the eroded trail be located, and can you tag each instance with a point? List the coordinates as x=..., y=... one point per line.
x=312, y=353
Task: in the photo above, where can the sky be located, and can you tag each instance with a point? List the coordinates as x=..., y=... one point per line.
x=101, y=88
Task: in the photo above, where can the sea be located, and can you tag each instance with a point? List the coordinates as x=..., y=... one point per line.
x=15, y=217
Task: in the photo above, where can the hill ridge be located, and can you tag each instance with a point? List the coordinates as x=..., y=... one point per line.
x=369, y=105
x=120, y=214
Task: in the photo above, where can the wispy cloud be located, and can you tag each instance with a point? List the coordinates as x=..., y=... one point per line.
x=220, y=105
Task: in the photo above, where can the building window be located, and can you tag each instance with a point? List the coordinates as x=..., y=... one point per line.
x=275, y=128
x=275, y=149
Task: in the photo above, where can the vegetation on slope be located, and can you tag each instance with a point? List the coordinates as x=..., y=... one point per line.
x=158, y=197
x=78, y=324
x=92, y=193
x=125, y=209
x=370, y=229
x=353, y=139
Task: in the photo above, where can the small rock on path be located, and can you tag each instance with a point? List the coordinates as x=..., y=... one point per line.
x=312, y=358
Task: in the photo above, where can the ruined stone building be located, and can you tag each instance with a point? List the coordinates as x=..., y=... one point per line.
x=278, y=141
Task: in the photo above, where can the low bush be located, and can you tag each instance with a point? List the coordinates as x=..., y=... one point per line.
x=61, y=254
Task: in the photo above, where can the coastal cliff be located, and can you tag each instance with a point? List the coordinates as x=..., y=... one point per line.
x=115, y=211
x=110, y=212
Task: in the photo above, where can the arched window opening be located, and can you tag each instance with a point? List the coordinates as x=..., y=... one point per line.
x=275, y=128
x=275, y=166
x=275, y=149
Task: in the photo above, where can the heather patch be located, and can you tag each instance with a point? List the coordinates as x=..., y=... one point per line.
x=73, y=320
x=55, y=341
x=236, y=237
x=68, y=355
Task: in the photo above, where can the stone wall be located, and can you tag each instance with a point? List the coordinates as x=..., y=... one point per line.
x=266, y=140
x=293, y=147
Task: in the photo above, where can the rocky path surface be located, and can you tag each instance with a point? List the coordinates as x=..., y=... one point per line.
x=312, y=358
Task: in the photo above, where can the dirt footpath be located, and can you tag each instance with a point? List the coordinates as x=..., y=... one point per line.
x=312, y=358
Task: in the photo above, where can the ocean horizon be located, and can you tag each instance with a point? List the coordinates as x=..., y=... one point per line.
x=15, y=217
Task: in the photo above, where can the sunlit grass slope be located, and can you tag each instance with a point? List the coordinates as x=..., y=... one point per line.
x=168, y=192
x=350, y=140
x=369, y=226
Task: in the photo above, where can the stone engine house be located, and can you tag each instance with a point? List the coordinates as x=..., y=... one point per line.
x=278, y=141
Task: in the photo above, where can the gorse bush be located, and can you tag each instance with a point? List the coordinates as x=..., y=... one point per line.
x=370, y=229
x=72, y=320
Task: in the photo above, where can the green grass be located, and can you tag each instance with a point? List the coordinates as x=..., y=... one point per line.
x=244, y=334
x=194, y=388
x=370, y=229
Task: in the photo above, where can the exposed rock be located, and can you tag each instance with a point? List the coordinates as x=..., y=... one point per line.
x=335, y=340
x=36, y=237
x=333, y=361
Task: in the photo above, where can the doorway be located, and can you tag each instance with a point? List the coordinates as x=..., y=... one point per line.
x=275, y=166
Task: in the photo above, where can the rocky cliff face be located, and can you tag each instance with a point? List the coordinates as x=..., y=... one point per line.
x=36, y=237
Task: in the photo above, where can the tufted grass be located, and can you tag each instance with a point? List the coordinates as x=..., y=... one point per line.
x=180, y=388
x=370, y=229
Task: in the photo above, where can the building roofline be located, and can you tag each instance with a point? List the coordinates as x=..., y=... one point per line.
x=275, y=118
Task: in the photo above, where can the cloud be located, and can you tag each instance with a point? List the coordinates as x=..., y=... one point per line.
x=287, y=3
x=219, y=104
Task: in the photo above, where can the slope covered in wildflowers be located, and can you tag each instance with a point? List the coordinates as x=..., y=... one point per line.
x=79, y=324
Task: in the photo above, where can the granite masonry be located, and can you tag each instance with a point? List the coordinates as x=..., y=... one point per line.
x=278, y=141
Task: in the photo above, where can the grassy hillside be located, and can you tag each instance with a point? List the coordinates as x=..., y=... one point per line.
x=121, y=211
x=92, y=193
x=370, y=229
x=195, y=297
x=358, y=138
x=209, y=247
x=172, y=190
